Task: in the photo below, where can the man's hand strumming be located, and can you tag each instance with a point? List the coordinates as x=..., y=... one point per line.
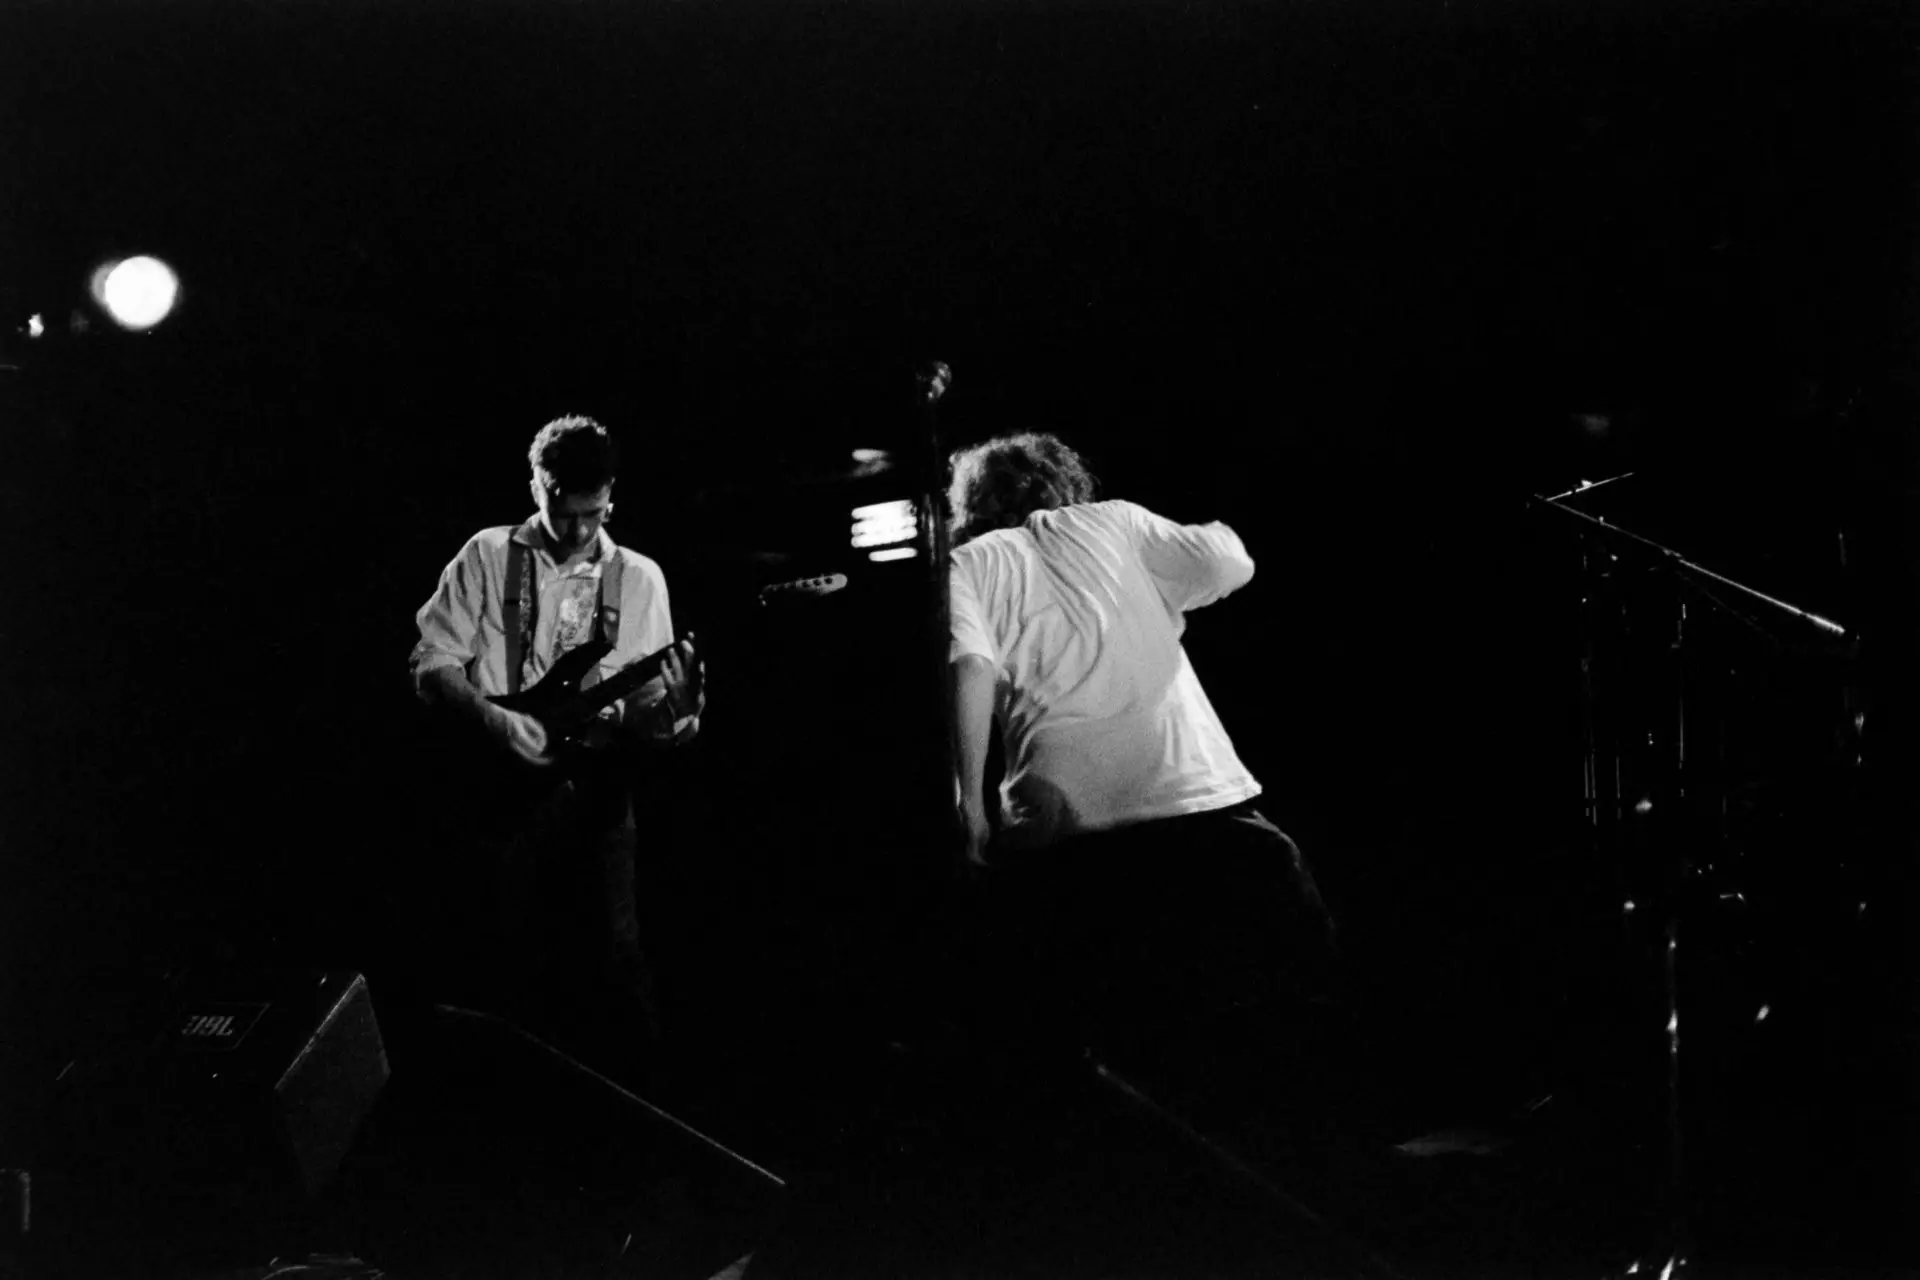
x=518, y=732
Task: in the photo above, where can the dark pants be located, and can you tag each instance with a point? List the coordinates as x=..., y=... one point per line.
x=571, y=959
x=531, y=913
x=1148, y=933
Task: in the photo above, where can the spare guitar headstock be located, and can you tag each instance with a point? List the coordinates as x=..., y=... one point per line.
x=823, y=585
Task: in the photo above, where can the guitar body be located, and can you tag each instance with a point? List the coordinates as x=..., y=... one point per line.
x=558, y=702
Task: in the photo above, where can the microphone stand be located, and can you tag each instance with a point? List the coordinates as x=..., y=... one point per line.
x=932, y=379
x=1679, y=564
x=1661, y=805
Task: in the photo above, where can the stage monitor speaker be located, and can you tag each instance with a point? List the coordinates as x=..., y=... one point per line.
x=247, y=1094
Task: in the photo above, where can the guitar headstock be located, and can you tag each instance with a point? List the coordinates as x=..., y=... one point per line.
x=823, y=585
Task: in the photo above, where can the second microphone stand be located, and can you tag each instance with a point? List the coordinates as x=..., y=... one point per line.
x=1649, y=808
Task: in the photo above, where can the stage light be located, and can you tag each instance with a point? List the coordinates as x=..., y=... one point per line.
x=35, y=325
x=898, y=507
x=893, y=553
x=881, y=523
x=869, y=462
x=138, y=292
x=882, y=535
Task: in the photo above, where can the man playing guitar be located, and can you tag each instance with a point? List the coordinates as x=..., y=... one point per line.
x=507, y=609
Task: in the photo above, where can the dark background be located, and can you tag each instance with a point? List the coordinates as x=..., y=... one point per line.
x=1356, y=279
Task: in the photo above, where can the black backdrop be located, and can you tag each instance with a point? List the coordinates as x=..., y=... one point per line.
x=1355, y=279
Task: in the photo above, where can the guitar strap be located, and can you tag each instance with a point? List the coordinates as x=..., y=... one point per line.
x=517, y=612
x=609, y=618
x=610, y=578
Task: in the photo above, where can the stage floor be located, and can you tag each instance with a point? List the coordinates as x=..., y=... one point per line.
x=493, y=1153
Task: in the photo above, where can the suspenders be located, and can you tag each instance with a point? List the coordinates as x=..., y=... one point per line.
x=516, y=611
x=519, y=605
x=610, y=597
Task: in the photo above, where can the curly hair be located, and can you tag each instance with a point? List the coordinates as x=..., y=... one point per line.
x=573, y=455
x=997, y=485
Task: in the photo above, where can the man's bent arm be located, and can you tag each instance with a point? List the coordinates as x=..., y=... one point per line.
x=1192, y=564
x=448, y=687
x=973, y=684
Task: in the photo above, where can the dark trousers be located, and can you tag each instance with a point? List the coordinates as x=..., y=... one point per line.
x=1150, y=933
x=531, y=911
x=571, y=961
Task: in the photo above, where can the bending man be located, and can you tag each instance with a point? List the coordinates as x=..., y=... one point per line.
x=1156, y=892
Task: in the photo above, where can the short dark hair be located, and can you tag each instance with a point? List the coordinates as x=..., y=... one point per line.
x=997, y=485
x=573, y=455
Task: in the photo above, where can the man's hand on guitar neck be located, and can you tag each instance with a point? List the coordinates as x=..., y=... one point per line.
x=686, y=673
x=667, y=709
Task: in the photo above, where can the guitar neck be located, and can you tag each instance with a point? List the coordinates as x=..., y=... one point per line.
x=624, y=681
x=568, y=701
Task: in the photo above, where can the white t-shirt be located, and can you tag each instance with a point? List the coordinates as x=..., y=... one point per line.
x=1104, y=722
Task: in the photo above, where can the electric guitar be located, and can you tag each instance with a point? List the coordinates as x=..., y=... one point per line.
x=566, y=711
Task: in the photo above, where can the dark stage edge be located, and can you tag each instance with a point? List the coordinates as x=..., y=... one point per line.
x=493, y=1153
x=905, y=1162
x=890, y=1169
